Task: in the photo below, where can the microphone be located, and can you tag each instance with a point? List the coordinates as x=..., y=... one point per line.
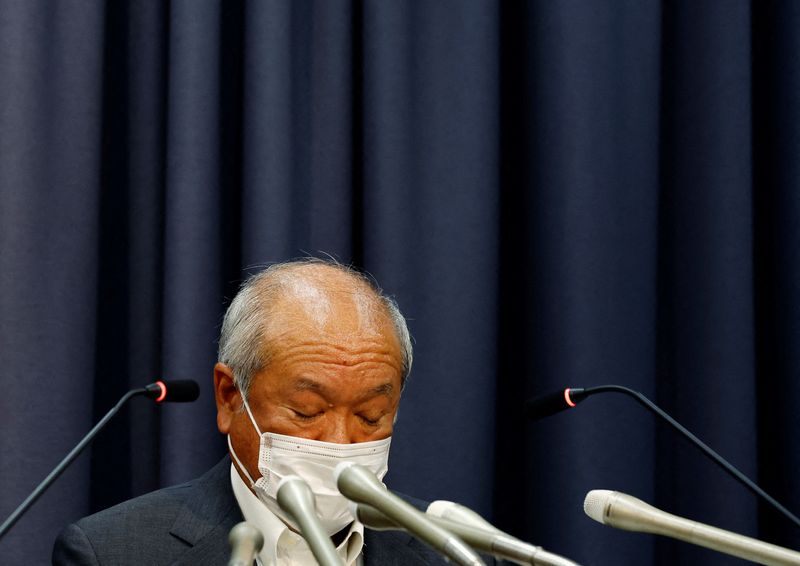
x=454, y=512
x=551, y=403
x=457, y=514
x=631, y=514
x=174, y=391
x=180, y=391
x=359, y=484
x=485, y=538
x=295, y=497
x=246, y=542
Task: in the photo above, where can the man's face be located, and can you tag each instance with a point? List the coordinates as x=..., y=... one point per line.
x=335, y=379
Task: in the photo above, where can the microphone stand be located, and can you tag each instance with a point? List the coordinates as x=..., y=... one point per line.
x=58, y=470
x=579, y=394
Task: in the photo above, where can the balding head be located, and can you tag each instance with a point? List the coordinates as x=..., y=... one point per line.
x=304, y=299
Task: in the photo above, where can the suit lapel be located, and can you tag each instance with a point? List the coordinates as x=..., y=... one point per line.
x=210, y=511
x=212, y=549
x=207, y=517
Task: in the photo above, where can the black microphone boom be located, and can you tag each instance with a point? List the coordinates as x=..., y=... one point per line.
x=183, y=390
x=551, y=403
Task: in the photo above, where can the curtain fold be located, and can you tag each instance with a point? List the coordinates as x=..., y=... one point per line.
x=558, y=194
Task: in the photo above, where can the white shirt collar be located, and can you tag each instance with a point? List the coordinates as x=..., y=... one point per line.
x=281, y=544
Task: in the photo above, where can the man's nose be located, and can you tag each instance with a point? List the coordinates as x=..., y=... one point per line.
x=337, y=430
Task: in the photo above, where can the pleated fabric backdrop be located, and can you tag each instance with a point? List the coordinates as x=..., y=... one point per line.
x=557, y=193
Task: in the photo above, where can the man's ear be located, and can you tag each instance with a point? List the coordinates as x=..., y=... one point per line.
x=227, y=395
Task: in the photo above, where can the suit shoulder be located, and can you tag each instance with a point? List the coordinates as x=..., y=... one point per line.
x=154, y=528
x=151, y=510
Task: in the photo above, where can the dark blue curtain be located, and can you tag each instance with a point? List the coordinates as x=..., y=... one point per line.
x=558, y=193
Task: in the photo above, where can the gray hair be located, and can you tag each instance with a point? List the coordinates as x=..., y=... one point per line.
x=243, y=338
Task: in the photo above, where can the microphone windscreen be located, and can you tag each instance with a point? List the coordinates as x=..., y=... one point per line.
x=173, y=391
x=548, y=404
x=182, y=390
x=594, y=505
x=246, y=533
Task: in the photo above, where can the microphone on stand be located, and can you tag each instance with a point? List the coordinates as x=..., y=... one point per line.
x=452, y=511
x=485, y=538
x=458, y=514
x=178, y=391
x=295, y=497
x=552, y=403
x=359, y=484
x=246, y=542
x=625, y=512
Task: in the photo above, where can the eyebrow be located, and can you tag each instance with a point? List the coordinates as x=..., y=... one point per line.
x=305, y=384
x=385, y=389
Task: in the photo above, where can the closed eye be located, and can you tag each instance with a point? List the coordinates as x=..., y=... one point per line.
x=370, y=422
x=304, y=416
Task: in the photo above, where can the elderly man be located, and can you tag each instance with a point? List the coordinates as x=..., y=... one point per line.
x=312, y=361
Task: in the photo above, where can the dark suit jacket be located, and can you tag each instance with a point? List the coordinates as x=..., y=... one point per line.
x=189, y=524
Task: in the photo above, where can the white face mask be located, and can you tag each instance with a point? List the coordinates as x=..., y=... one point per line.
x=314, y=461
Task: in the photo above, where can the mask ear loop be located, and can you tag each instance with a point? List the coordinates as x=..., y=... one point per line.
x=250, y=414
x=230, y=446
x=239, y=462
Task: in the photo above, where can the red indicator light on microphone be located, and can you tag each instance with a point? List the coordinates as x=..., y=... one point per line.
x=567, y=398
x=163, y=388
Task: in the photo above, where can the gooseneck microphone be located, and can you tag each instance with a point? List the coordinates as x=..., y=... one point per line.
x=623, y=511
x=295, y=497
x=178, y=391
x=359, y=484
x=552, y=403
x=455, y=512
x=485, y=538
x=246, y=542
x=173, y=391
x=503, y=545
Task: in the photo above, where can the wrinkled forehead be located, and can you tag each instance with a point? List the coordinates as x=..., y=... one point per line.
x=329, y=305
